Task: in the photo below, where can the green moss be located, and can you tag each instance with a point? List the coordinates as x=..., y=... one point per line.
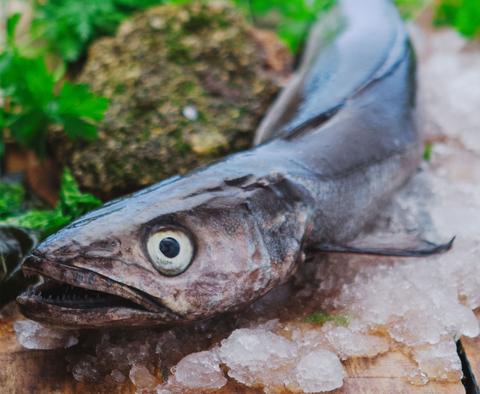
x=200, y=55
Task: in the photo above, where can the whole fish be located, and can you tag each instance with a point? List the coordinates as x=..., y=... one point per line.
x=338, y=142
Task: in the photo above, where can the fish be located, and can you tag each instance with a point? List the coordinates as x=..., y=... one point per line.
x=339, y=140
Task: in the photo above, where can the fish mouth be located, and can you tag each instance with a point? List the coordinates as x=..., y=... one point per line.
x=69, y=296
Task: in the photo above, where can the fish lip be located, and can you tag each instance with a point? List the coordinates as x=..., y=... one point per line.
x=41, y=309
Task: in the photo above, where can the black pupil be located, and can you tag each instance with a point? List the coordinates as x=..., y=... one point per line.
x=169, y=247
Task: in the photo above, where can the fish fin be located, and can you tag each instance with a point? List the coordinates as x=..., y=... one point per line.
x=421, y=248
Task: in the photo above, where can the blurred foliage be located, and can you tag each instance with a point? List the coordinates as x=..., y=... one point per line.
x=292, y=19
x=11, y=199
x=321, y=318
x=409, y=9
x=34, y=99
x=72, y=203
x=68, y=26
x=463, y=15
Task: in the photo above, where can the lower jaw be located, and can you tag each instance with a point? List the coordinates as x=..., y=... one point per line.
x=70, y=317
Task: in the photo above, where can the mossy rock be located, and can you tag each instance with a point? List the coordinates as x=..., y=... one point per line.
x=187, y=84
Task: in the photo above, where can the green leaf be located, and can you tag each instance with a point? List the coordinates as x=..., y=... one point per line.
x=35, y=105
x=68, y=26
x=293, y=18
x=59, y=72
x=26, y=80
x=12, y=23
x=73, y=202
x=45, y=222
x=409, y=9
x=3, y=122
x=28, y=129
x=77, y=99
x=463, y=15
x=11, y=198
x=77, y=128
x=38, y=83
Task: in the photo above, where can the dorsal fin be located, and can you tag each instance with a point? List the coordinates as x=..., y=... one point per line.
x=356, y=43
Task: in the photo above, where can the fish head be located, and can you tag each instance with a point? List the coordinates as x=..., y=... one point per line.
x=183, y=250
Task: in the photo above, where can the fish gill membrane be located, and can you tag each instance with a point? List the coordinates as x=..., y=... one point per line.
x=419, y=306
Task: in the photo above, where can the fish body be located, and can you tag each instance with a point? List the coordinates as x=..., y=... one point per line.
x=337, y=143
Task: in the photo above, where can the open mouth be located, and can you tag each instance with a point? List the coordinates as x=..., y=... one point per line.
x=72, y=296
x=67, y=296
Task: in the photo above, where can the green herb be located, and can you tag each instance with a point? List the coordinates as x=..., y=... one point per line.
x=292, y=19
x=72, y=203
x=33, y=101
x=427, y=151
x=409, y=9
x=11, y=199
x=321, y=318
x=463, y=15
x=68, y=26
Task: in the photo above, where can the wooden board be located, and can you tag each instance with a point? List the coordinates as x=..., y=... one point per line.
x=387, y=374
x=471, y=354
x=471, y=350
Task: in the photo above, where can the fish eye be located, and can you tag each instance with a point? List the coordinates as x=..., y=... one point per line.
x=170, y=250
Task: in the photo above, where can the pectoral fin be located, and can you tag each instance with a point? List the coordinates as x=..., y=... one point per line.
x=415, y=248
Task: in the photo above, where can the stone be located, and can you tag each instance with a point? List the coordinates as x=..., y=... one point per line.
x=187, y=84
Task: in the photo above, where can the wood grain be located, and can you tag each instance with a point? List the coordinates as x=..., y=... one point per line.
x=389, y=373
x=471, y=349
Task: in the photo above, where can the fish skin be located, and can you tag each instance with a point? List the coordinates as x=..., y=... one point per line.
x=318, y=174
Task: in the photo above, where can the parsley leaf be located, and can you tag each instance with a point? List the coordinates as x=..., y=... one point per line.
x=463, y=15
x=33, y=103
x=11, y=198
x=68, y=26
x=72, y=204
x=292, y=19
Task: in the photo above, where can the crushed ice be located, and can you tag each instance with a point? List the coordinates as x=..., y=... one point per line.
x=33, y=335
